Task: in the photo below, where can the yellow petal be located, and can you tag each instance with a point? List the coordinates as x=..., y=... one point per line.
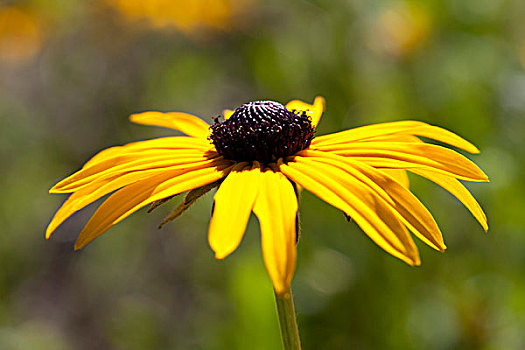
x=402, y=203
x=227, y=113
x=184, y=122
x=166, y=143
x=407, y=127
x=399, y=175
x=128, y=163
x=368, y=210
x=133, y=197
x=393, y=138
x=314, y=111
x=103, y=155
x=356, y=176
x=97, y=190
x=458, y=190
x=442, y=159
x=234, y=202
x=276, y=209
x=412, y=212
x=171, y=142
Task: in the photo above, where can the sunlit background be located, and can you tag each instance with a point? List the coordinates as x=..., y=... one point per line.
x=72, y=71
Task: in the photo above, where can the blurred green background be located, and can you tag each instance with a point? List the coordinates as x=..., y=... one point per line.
x=72, y=71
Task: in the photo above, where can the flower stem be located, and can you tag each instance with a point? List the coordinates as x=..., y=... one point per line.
x=287, y=321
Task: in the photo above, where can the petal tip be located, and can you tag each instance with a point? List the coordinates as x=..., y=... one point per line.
x=320, y=100
x=61, y=190
x=56, y=188
x=220, y=256
x=80, y=244
x=484, y=177
x=48, y=234
x=282, y=290
x=470, y=148
x=411, y=259
x=135, y=117
x=415, y=262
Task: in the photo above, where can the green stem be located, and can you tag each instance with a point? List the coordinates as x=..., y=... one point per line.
x=287, y=321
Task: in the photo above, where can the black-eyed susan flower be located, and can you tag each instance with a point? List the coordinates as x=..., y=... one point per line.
x=258, y=156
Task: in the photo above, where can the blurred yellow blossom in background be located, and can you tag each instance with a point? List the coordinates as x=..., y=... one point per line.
x=21, y=35
x=187, y=16
x=401, y=29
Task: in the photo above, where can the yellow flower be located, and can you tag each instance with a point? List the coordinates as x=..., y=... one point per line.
x=258, y=156
x=21, y=35
x=187, y=16
x=401, y=29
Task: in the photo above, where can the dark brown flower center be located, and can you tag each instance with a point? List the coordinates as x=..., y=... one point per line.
x=264, y=131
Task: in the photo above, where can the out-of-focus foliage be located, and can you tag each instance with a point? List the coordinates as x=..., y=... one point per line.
x=72, y=71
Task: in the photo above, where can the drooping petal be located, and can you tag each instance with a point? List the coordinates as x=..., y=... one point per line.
x=354, y=178
x=407, y=127
x=369, y=211
x=276, y=208
x=103, y=155
x=234, y=202
x=458, y=190
x=403, y=204
x=96, y=190
x=133, y=197
x=399, y=175
x=184, y=122
x=442, y=159
x=133, y=162
x=449, y=183
x=314, y=111
x=413, y=213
